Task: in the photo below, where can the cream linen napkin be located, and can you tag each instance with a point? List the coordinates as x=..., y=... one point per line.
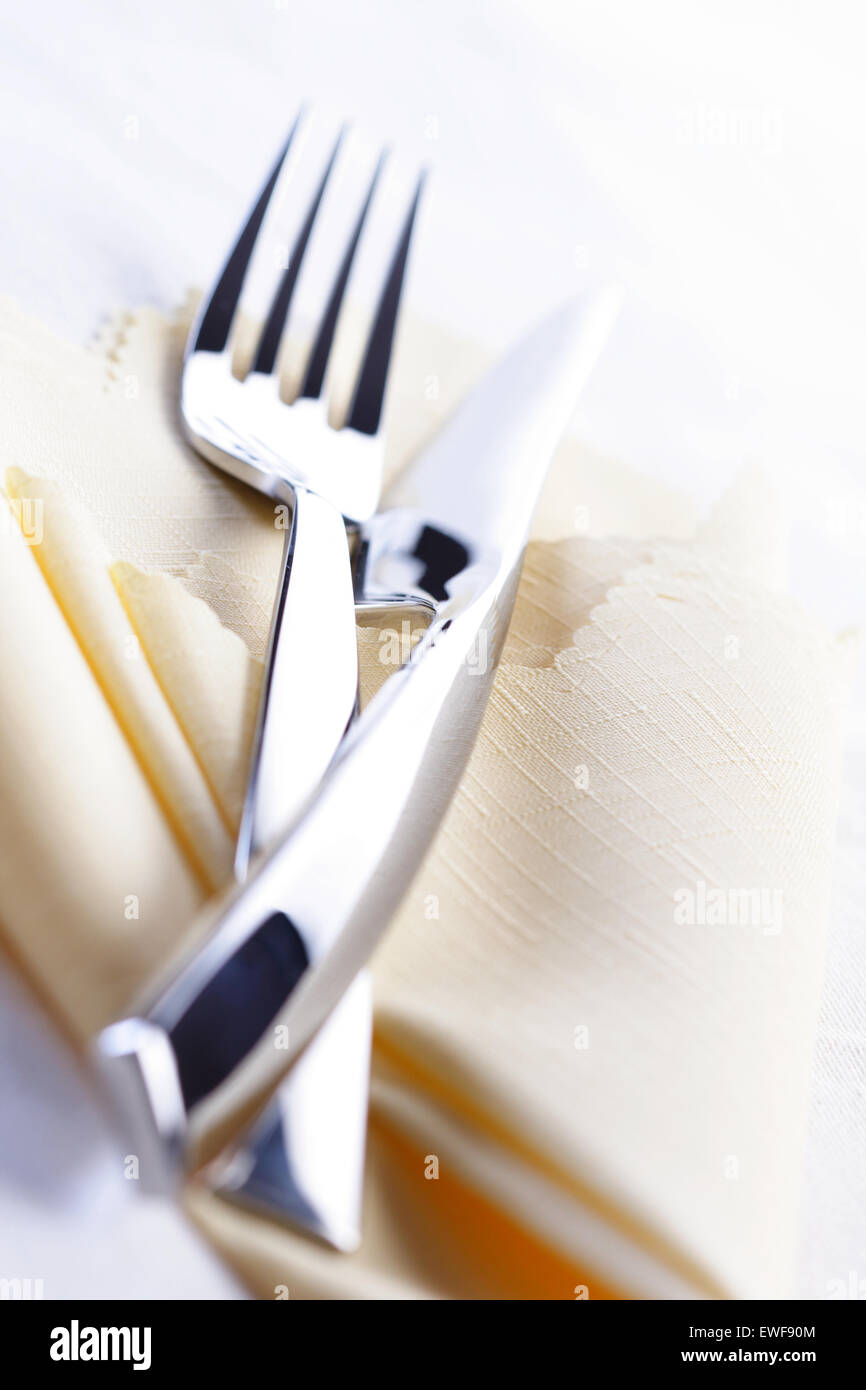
x=596, y=1008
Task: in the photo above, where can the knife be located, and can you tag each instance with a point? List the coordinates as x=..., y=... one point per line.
x=214, y=1035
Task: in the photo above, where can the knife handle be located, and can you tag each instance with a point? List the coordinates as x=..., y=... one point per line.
x=279, y=951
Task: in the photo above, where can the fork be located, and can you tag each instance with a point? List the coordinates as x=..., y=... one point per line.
x=330, y=477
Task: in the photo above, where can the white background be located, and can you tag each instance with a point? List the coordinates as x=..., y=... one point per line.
x=709, y=156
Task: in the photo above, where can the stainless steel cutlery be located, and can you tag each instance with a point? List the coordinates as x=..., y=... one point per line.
x=279, y=951
x=277, y=987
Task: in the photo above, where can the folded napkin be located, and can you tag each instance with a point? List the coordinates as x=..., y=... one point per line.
x=595, y=1010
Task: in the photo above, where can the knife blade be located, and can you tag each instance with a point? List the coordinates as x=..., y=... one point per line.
x=216, y=1033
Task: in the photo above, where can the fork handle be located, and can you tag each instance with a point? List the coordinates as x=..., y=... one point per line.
x=311, y=675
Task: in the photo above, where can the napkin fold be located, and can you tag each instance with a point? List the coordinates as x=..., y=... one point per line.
x=596, y=1007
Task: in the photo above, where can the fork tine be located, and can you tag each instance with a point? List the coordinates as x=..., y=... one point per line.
x=216, y=319
x=366, y=409
x=269, y=343
x=318, y=361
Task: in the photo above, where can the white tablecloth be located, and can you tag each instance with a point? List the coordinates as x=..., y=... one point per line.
x=708, y=157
